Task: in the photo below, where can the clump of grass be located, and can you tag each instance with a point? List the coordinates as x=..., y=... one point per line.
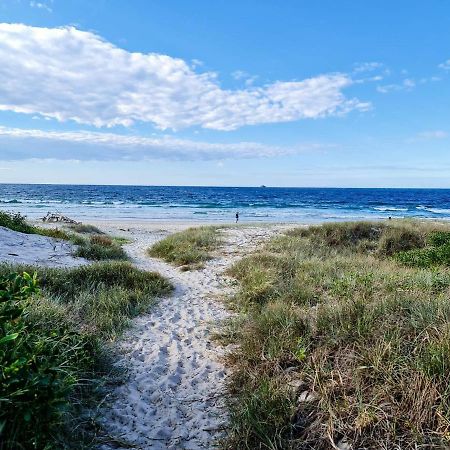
x=17, y=222
x=396, y=239
x=103, y=295
x=99, y=247
x=53, y=330
x=85, y=229
x=119, y=240
x=341, y=234
x=190, y=248
x=341, y=342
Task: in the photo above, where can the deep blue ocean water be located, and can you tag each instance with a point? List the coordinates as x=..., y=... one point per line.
x=221, y=203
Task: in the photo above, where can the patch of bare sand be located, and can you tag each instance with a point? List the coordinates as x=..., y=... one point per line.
x=21, y=248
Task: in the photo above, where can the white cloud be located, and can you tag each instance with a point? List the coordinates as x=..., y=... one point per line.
x=368, y=67
x=241, y=75
x=429, y=135
x=196, y=63
x=40, y=5
x=435, y=134
x=406, y=85
x=68, y=74
x=445, y=65
x=19, y=144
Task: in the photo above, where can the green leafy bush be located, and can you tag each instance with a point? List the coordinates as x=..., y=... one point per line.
x=15, y=222
x=439, y=238
x=437, y=253
x=39, y=367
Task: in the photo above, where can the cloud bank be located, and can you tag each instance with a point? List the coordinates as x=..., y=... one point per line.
x=20, y=144
x=72, y=75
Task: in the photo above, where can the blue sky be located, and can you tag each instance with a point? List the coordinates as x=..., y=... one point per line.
x=292, y=93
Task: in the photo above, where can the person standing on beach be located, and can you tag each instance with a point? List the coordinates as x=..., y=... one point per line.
x=237, y=217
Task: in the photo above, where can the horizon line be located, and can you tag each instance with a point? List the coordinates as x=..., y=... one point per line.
x=223, y=186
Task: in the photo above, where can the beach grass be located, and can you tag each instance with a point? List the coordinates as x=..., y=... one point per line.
x=96, y=246
x=83, y=228
x=343, y=339
x=17, y=222
x=55, y=328
x=189, y=248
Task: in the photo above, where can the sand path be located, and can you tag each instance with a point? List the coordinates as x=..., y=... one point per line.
x=173, y=396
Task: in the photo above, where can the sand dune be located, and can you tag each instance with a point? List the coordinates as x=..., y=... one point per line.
x=20, y=248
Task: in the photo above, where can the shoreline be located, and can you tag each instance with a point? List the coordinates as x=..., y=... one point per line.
x=130, y=225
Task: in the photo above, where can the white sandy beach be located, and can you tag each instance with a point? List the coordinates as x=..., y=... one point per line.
x=174, y=390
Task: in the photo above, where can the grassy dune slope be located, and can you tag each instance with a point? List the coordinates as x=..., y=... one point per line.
x=95, y=246
x=17, y=222
x=344, y=336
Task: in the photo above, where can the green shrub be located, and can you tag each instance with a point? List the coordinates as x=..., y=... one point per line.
x=39, y=367
x=437, y=253
x=15, y=222
x=342, y=234
x=423, y=257
x=439, y=238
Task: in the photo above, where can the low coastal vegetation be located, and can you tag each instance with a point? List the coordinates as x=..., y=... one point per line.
x=96, y=246
x=17, y=222
x=83, y=228
x=189, y=248
x=343, y=339
x=55, y=325
x=54, y=330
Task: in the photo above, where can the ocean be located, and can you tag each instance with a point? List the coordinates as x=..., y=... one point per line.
x=219, y=204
